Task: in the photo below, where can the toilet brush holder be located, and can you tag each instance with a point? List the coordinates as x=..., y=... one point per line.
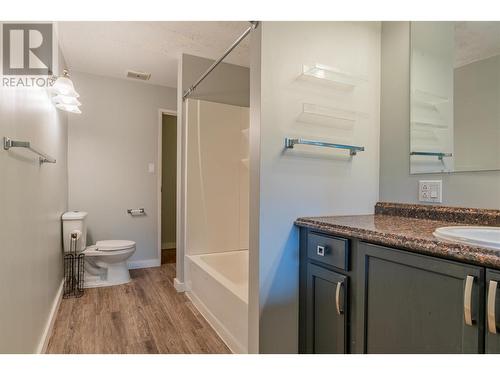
x=73, y=271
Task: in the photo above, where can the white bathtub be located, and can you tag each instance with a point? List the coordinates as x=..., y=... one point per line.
x=218, y=287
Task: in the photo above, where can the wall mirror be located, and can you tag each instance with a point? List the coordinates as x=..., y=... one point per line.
x=455, y=97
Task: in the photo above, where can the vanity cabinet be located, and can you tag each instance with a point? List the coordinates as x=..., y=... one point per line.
x=359, y=297
x=492, y=339
x=412, y=303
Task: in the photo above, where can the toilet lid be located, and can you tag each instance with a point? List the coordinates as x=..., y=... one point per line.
x=111, y=245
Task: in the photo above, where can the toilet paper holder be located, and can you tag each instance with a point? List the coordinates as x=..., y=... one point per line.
x=136, y=211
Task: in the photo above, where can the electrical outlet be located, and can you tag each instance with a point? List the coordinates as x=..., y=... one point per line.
x=430, y=191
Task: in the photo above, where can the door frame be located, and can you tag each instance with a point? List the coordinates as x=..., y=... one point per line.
x=161, y=112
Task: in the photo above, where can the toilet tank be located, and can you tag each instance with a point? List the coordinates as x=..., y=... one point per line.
x=74, y=221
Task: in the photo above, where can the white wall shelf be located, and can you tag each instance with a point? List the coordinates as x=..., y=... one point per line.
x=319, y=73
x=317, y=114
x=244, y=162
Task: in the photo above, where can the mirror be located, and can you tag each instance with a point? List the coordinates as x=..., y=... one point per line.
x=455, y=97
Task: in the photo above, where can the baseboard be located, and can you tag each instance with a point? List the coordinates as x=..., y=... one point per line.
x=168, y=245
x=49, y=326
x=179, y=286
x=218, y=327
x=147, y=263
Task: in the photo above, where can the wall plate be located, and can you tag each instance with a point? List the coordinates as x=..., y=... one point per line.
x=430, y=191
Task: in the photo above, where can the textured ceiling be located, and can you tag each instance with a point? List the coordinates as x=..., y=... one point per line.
x=112, y=48
x=475, y=40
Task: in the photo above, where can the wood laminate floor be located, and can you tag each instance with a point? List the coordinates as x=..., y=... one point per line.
x=146, y=315
x=168, y=256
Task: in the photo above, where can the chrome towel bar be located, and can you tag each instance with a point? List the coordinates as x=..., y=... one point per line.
x=9, y=143
x=440, y=155
x=291, y=142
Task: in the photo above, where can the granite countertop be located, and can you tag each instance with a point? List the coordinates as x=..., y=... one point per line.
x=406, y=230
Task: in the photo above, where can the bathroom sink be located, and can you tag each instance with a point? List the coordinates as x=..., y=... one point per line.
x=488, y=237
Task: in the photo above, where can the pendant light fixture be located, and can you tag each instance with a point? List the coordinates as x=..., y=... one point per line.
x=66, y=96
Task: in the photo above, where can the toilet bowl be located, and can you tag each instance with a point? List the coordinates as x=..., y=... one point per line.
x=106, y=263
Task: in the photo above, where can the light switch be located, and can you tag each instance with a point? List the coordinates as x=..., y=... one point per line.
x=151, y=168
x=430, y=191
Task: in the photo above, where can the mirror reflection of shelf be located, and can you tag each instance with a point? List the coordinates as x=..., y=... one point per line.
x=429, y=123
x=424, y=135
x=317, y=114
x=427, y=98
x=440, y=155
x=331, y=76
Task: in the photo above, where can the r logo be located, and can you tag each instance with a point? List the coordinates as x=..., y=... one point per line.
x=27, y=49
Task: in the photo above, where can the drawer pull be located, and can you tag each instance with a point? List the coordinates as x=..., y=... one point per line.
x=492, y=293
x=469, y=282
x=340, y=310
x=320, y=250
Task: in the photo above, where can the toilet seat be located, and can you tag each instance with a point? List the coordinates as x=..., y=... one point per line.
x=110, y=247
x=92, y=251
x=114, y=245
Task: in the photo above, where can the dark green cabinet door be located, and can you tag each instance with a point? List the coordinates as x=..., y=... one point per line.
x=326, y=310
x=492, y=341
x=412, y=303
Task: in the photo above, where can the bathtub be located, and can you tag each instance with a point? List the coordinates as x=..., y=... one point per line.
x=218, y=287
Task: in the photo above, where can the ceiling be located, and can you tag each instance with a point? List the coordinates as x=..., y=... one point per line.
x=476, y=41
x=113, y=48
x=464, y=41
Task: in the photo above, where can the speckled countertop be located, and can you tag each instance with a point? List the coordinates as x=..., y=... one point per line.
x=404, y=229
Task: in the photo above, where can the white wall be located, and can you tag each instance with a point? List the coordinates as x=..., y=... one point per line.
x=305, y=181
x=227, y=84
x=110, y=146
x=216, y=206
x=467, y=189
x=32, y=200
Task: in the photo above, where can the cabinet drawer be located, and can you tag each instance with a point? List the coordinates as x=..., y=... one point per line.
x=329, y=250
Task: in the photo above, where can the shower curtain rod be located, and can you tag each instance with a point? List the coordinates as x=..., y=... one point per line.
x=193, y=87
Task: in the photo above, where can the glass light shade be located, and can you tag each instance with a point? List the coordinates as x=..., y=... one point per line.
x=68, y=100
x=64, y=86
x=68, y=108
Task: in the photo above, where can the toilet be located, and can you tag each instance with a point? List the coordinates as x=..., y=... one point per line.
x=106, y=261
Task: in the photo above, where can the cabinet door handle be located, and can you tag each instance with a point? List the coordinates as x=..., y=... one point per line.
x=492, y=293
x=469, y=283
x=340, y=310
x=320, y=250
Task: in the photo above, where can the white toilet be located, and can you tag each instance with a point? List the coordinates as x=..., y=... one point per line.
x=106, y=261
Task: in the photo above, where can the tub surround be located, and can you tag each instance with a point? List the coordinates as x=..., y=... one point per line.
x=411, y=227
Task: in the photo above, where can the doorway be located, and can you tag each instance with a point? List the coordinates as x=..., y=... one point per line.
x=168, y=188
